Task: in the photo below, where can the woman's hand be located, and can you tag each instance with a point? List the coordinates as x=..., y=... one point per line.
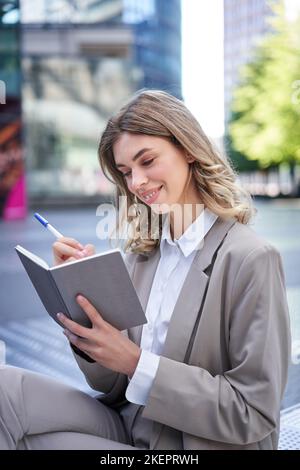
x=68, y=249
x=103, y=343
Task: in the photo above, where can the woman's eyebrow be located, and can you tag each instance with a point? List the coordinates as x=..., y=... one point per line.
x=137, y=155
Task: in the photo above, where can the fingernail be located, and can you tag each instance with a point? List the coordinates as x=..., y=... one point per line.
x=80, y=253
x=59, y=315
x=80, y=298
x=80, y=246
x=84, y=252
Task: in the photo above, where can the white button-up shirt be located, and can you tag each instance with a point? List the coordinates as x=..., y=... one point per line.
x=176, y=258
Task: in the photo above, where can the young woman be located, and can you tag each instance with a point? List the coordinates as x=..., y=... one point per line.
x=209, y=369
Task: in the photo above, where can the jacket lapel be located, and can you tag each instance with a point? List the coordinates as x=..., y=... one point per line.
x=188, y=307
x=190, y=298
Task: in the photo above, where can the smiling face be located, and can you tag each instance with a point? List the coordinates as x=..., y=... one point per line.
x=154, y=169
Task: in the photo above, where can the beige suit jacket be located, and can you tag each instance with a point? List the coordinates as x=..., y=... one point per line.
x=224, y=366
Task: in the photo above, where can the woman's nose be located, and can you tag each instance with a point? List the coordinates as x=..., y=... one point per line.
x=138, y=179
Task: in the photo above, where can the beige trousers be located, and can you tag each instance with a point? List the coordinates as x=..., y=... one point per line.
x=37, y=412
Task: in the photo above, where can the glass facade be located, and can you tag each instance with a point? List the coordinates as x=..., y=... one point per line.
x=12, y=181
x=80, y=60
x=66, y=103
x=245, y=24
x=71, y=11
x=156, y=25
x=158, y=47
x=88, y=11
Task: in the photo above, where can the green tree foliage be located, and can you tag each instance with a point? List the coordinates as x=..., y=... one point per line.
x=265, y=119
x=239, y=160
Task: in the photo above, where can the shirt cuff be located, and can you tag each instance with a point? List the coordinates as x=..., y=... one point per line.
x=141, y=382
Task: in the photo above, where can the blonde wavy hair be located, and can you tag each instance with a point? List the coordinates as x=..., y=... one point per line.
x=157, y=113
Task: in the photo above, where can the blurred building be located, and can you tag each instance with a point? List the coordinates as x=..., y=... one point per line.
x=245, y=24
x=80, y=60
x=12, y=181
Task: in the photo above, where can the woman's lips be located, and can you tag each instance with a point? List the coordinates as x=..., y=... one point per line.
x=150, y=200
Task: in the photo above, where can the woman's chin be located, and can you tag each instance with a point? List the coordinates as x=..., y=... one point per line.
x=160, y=208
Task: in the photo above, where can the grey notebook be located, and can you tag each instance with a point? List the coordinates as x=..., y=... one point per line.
x=102, y=278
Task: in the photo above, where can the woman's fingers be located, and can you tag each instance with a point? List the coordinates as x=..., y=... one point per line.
x=74, y=327
x=90, y=310
x=89, y=249
x=81, y=343
x=64, y=251
x=69, y=249
x=71, y=242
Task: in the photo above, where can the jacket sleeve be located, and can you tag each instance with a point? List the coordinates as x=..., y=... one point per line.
x=110, y=383
x=242, y=405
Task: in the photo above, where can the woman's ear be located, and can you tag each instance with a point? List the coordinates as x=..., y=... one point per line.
x=189, y=158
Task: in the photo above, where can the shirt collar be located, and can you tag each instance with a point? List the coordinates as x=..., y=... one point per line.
x=192, y=237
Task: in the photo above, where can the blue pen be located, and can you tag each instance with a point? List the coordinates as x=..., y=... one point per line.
x=46, y=224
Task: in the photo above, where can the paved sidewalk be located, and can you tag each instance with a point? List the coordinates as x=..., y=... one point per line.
x=33, y=340
x=290, y=429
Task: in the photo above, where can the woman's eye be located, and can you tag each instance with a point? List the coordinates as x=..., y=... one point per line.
x=145, y=163
x=148, y=162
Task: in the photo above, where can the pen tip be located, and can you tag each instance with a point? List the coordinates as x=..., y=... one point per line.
x=41, y=219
